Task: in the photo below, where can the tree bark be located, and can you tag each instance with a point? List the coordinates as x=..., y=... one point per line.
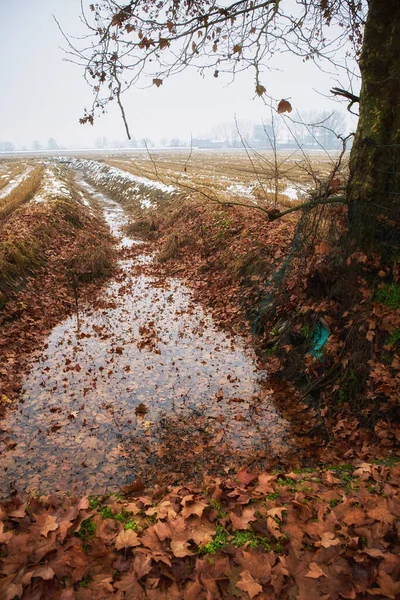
x=374, y=184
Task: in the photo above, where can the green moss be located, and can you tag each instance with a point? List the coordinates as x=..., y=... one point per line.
x=215, y=504
x=389, y=461
x=287, y=481
x=132, y=524
x=273, y=351
x=87, y=530
x=152, y=518
x=307, y=332
x=389, y=295
x=219, y=542
x=94, y=502
x=273, y=496
x=394, y=338
x=304, y=470
x=265, y=544
x=340, y=468
x=243, y=537
x=348, y=388
x=106, y=512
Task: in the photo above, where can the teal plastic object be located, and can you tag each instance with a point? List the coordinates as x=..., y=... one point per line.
x=320, y=337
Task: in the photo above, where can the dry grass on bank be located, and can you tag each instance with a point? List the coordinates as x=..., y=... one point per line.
x=9, y=170
x=22, y=193
x=28, y=234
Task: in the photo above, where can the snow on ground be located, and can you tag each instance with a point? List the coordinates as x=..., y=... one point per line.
x=238, y=189
x=52, y=186
x=291, y=192
x=13, y=183
x=125, y=183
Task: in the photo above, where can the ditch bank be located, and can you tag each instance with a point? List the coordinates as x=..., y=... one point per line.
x=52, y=248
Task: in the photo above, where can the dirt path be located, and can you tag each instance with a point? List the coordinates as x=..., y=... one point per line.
x=139, y=385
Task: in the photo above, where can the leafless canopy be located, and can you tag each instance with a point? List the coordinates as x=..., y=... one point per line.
x=146, y=41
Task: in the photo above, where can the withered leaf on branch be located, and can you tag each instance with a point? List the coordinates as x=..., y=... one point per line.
x=117, y=20
x=157, y=82
x=284, y=106
x=260, y=89
x=334, y=184
x=164, y=43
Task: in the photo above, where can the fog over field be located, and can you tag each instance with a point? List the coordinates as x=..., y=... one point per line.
x=44, y=96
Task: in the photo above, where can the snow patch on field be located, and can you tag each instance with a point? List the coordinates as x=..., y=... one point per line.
x=125, y=184
x=291, y=192
x=52, y=186
x=13, y=183
x=238, y=189
x=294, y=192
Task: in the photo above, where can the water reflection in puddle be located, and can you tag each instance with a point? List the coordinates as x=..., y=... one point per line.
x=147, y=380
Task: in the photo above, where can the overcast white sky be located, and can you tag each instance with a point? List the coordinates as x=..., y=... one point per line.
x=43, y=96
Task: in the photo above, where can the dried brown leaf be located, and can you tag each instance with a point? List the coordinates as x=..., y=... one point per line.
x=248, y=584
x=127, y=539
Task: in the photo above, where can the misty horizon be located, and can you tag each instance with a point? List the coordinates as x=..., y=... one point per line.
x=45, y=95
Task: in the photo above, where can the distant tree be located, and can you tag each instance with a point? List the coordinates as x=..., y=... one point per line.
x=52, y=144
x=36, y=146
x=143, y=38
x=7, y=147
x=102, y=142
x=319, y=129
x=177, y=143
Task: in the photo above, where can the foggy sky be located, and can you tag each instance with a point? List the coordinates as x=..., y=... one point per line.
x=43, y=96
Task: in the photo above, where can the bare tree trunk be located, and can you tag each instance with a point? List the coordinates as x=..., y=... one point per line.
x=374, y=185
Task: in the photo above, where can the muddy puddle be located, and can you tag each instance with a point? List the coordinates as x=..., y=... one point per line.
x=139, y=385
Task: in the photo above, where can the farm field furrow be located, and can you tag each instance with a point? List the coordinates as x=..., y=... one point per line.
x=260, y=176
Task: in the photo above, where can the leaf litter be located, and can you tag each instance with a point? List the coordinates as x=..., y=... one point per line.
x=312, y=533
x=141, y=383
x=307, y=534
